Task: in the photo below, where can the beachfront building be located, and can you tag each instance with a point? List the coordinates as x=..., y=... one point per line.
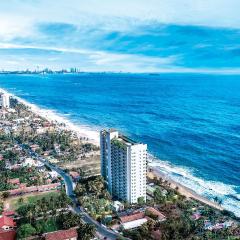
x=123, y=166
x=4, y=100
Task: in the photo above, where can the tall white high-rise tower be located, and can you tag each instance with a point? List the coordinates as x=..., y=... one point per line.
x=123, y=166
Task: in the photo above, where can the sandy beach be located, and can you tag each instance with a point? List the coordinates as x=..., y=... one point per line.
x=154, y=172
x=92, y=136
x=82, y=131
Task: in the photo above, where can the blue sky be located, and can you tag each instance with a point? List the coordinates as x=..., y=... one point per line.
x=129, y=36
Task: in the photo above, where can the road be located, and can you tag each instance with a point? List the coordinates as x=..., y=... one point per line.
x=102, y=231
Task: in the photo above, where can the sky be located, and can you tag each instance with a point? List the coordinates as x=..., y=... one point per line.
x=127, y=36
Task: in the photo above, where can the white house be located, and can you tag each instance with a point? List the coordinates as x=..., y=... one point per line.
x=53, y=174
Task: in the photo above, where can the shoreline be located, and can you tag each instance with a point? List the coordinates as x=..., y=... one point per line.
x=92, y=136
x=183, y=190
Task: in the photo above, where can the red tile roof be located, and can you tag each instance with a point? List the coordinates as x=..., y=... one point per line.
x=14, y=181
x=74, y=174
x=7, y=235
x=49, y=180
x=23, y=185
x=62, y=234
x=15, y=192
x=132, y=217
x=9, y=213
x=6, y=221
x=157, y=213
x=34, y=189
x=48, y=186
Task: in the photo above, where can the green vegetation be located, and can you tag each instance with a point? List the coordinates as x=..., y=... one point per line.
x=42, y=214
x=1, y=205
x=49, y=196
x=44, y=226
x=62, y=221
x=37, y=227
x=117, y=143
x=93, y=196
x=16, y=202
x=86, y=232
x=38, y=214
x=26, y=230
x=43, y=207
x=11, y=156
x=59, y=144
x=45, y=213
x=180, y=224
x=141, y=201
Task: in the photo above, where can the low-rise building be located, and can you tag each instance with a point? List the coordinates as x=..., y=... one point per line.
x=49, y=187
x=9, y=213
x=14, y=181
x=117, y=206
x=42, y=188
x=70, y=234
x=136, y=219
x=29, y=162
x=53, y=174
x=34, y=147
x=7, y=223
x=151, y=188
x=7, y=234
x=134, y=224
x=133, y=220
x=158, y=214
x=75, y=175
x=4, y=100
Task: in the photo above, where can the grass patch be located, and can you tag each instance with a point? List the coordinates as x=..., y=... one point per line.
x=34, y=199
x=15, y=202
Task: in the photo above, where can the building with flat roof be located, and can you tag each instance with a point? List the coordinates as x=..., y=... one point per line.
x=123, y=166
x=4, y=100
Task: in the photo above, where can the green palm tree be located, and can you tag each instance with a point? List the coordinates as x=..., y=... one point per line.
x=86, y=231
x=30, y=215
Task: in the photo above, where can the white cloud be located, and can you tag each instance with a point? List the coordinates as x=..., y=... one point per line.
x=88, y=60
x=202, y=12
x=19, y=20
x=98, y=59
x=15, y=26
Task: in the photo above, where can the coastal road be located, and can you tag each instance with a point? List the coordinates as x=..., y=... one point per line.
x=102, y=231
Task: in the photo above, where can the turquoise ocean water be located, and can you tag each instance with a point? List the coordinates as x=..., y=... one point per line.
x=191, y=122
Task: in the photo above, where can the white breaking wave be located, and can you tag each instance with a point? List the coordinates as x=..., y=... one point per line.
x=182, y=175
x=205, y=188
x=51, y=115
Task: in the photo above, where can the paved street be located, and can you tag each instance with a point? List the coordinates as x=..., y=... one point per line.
x=101, y=230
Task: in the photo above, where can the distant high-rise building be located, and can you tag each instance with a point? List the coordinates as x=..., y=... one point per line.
x=123, y=166
x=4, y=100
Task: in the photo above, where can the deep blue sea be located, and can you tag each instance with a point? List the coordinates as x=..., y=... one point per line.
x=191, y=122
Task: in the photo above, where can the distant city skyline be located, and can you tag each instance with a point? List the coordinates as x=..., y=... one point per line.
x=136, y=36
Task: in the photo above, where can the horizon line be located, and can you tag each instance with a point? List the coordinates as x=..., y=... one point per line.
x=163, y=71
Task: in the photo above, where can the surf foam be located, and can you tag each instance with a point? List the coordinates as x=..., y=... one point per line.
x=205, y=188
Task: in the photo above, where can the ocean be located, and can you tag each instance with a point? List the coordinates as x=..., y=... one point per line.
x=191, y=122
